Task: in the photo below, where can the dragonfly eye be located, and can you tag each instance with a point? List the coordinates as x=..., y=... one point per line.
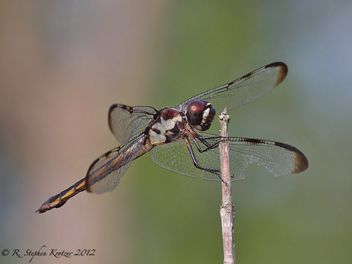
x=200, y=114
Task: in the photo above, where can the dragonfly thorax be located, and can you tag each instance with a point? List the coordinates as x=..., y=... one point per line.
x=200, y=114
x=166, y=127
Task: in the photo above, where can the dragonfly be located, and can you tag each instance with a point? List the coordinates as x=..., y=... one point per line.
x=177, y=141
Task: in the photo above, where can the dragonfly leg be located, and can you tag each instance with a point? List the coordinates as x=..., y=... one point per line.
x=195, y=162
x=206, y=143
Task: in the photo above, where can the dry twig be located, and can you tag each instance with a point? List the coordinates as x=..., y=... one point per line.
x=227, y=210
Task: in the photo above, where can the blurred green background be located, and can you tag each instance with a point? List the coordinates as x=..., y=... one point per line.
x=63, y=63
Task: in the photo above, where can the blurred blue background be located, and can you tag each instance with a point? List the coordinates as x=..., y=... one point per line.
x=63, y=63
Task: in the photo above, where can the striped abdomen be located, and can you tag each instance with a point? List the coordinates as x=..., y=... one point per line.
x=61, y=198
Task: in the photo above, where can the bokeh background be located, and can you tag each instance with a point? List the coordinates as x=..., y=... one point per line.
x=63, y=63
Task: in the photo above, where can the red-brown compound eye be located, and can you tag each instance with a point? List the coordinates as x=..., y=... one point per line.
x=200, y=114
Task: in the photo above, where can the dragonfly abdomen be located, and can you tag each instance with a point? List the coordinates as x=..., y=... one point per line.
x=60, y=199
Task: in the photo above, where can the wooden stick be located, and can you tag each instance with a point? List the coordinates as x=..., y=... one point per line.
x=227, y=210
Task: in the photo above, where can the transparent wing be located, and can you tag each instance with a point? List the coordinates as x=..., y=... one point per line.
x=242, y=90
x=105, y=172
x=174, y=156
x=127, y=122
x=278, y=158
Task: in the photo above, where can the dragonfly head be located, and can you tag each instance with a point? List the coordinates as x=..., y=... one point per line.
x=200, y=114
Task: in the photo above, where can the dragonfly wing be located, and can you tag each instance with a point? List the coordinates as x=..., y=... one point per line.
x=242, y=90
x=127, y=122
x=105, y=172
x=278, y=158
x=174, y=156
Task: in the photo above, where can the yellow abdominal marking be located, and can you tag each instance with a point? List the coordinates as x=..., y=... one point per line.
x=68, y=194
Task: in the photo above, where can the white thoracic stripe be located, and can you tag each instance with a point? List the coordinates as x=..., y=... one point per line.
x=157, y=138
x=168, y=124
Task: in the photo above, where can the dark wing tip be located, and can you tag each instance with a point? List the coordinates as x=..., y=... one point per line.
x=282, y=67
x=112, y=108
x=301, y=163
x=87, y=179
